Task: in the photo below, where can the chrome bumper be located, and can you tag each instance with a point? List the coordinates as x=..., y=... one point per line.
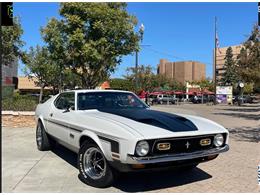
x=175, y=157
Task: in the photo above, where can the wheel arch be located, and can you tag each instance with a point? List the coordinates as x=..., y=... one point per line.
x=93, y=138
x=40, y=119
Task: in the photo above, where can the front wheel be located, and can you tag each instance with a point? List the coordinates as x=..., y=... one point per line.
x=93, y=167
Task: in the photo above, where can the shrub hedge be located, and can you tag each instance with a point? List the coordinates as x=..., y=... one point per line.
x=19, y=103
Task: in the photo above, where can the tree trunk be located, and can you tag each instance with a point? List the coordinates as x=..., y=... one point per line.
x=41, y=93
x=84, y=83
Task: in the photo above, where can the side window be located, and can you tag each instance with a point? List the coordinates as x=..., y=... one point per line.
x=65, y=100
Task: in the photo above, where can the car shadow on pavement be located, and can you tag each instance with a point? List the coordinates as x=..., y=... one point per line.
x=156, y=180
x=67, y=155
x=143, y=181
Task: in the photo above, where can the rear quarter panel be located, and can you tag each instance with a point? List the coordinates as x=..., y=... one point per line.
x=42, y=111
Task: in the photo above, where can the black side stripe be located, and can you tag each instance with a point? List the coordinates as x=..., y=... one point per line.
x=114, y=144
x=60, y=124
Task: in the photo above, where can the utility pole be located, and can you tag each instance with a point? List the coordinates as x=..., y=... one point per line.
x=215, y=61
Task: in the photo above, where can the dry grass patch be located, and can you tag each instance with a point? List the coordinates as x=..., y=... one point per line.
x=18, y=121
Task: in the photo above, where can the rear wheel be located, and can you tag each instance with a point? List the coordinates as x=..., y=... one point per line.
x=93, y=167
x=44, y=142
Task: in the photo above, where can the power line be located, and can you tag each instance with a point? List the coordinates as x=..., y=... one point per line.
x=163, y=53
x=170, y=55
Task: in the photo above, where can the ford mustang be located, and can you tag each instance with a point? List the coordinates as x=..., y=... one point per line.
x=114, y=131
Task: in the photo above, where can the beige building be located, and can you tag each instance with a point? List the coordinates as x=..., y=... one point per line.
x=221, y=54
x=182, y=71
x=26, y=85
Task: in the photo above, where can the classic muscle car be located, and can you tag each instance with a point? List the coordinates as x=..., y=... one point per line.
x=114, y=131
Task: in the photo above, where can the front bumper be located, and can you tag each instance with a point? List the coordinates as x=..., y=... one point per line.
x=175, y=157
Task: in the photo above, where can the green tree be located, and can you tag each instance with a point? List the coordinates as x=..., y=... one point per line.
x=248, y=88
x=12, y=43
x=123, y=84
x=144, y=75
x=230, y=75
x=149, y=81
x=70, y=80
x=176, y=85
x=38, y=64
x=160, y=82
x=249, y=58
x=204, y=84
x=91, y=39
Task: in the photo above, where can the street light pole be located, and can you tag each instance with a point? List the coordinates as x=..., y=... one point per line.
x=141, y=33
x=136, y=68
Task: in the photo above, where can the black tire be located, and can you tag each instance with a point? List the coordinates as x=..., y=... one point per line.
x=43, y=141
x=106, y=178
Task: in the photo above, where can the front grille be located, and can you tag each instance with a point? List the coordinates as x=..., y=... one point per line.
x=183, y=145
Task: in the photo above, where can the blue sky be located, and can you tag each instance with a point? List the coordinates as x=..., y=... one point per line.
x=174, y=31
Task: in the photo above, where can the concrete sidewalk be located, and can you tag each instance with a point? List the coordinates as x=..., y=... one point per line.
x=16, y=113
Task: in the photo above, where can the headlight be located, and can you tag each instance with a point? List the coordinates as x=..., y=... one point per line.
x=142, y=148
x=218, y=140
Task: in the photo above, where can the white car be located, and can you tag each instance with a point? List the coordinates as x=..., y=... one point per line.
x=114, y=131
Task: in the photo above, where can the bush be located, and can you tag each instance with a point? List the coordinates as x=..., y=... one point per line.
x=19, y=103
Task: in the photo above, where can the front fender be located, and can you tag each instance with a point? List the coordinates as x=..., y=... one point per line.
x=104, y=146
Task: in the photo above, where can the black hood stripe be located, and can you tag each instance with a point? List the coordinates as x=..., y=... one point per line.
x=160, y=119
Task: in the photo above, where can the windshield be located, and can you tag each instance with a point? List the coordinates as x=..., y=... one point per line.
x=109, y=100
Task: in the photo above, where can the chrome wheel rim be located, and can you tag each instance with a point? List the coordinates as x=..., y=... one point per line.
x=39, y=135
x=94, y=163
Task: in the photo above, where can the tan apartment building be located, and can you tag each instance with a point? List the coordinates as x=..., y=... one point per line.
x=182, y=71
x=220, y=61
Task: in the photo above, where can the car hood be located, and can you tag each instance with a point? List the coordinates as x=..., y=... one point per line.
x=153, y=124
x=155, y=118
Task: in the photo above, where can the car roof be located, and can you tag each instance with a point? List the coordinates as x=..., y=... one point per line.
x=96, y=90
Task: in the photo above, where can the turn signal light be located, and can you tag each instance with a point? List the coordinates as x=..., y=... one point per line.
x=205, y=142
x=164, y=146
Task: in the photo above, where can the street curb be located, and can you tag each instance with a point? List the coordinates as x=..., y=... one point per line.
x=18, y=113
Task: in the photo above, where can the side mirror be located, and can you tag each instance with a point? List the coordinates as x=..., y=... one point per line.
x=69, y=108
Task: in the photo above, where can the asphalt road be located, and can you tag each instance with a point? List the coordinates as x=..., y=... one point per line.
x=25, y=169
